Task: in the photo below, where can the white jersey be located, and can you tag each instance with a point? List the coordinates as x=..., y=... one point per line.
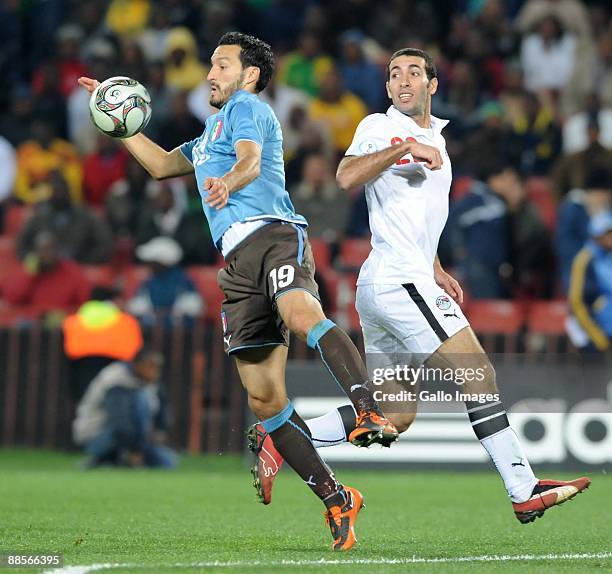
x=407, y=203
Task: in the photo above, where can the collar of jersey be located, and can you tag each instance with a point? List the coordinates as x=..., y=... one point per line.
x=437, y=124
x=235, y=95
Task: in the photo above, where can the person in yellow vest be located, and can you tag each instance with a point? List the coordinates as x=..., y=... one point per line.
x=98, y=334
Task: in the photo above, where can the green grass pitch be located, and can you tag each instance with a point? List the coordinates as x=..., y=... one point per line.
x=204, y=518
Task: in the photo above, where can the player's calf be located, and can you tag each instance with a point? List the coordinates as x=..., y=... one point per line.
x=302, y=314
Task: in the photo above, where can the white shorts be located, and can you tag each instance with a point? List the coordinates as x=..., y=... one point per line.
x=412, y=319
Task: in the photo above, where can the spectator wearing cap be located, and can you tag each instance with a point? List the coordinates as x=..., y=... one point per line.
x=590, y=293
x=574, y=215
x=169, y=293
x=167, y=213
x=52, y=284
x=360, y=76
x=122, y=418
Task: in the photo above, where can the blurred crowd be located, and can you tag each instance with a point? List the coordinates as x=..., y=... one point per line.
x=526, y=85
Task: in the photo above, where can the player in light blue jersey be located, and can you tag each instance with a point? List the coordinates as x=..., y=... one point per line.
x=268, y=280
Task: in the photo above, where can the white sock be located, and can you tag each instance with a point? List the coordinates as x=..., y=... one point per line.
x=491, y=426
x=505, y=451
x=329, y=429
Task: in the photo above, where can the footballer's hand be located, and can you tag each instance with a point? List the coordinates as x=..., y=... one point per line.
x=428, y=155
x=449, y=284
x=218, y=192
x=88, y=83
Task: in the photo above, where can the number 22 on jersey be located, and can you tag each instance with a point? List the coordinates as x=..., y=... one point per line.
x=403, y=160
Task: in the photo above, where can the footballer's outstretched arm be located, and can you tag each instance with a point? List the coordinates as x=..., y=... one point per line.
x=157, y=161
x=355, y=171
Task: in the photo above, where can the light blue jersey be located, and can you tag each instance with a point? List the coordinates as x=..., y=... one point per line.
x=243, y=117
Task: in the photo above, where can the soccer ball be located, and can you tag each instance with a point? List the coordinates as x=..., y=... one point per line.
x=120, y=107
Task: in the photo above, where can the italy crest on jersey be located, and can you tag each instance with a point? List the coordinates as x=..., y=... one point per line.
x=216, y=131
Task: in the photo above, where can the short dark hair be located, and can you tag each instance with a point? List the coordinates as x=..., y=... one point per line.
x=253, y=52
x=430, y=67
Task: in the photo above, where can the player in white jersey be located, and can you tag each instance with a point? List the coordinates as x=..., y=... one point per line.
x=408, y=305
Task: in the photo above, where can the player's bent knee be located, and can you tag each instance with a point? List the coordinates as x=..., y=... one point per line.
x=300, y=322
x=402, y=421
x=266, y=407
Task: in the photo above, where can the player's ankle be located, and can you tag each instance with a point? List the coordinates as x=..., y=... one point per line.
x=523, y=492
x=338, y=498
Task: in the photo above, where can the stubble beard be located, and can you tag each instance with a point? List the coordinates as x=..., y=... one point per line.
x=226, y=93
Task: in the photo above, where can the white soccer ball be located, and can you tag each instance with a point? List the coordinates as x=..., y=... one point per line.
x=120, y=107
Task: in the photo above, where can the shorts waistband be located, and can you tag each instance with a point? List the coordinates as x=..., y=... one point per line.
x=232, y=254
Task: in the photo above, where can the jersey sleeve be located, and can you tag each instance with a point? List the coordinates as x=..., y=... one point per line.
x=369, y=137
x=187, y=149
x=247, y=123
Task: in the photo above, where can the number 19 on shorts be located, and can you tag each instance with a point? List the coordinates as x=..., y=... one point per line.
x=282, y=276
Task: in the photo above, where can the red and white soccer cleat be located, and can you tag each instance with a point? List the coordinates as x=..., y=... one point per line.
x=268, y=462
x=546, y=494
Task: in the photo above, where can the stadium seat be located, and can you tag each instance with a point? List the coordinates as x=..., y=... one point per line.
x=331, y=279
x=353, y=252
x=495, y=317
x=11, y=315
x=541, y=195
x=205, y=279
x=321, y=252
x=547, y=317
x=498, y=324
x=100, y=275
x=14, y=219
x=8, y=259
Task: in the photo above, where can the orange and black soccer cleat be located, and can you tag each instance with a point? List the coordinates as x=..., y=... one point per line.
x=546, y=494
x=341, y=519
x=373, y=428
x=268, y=462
